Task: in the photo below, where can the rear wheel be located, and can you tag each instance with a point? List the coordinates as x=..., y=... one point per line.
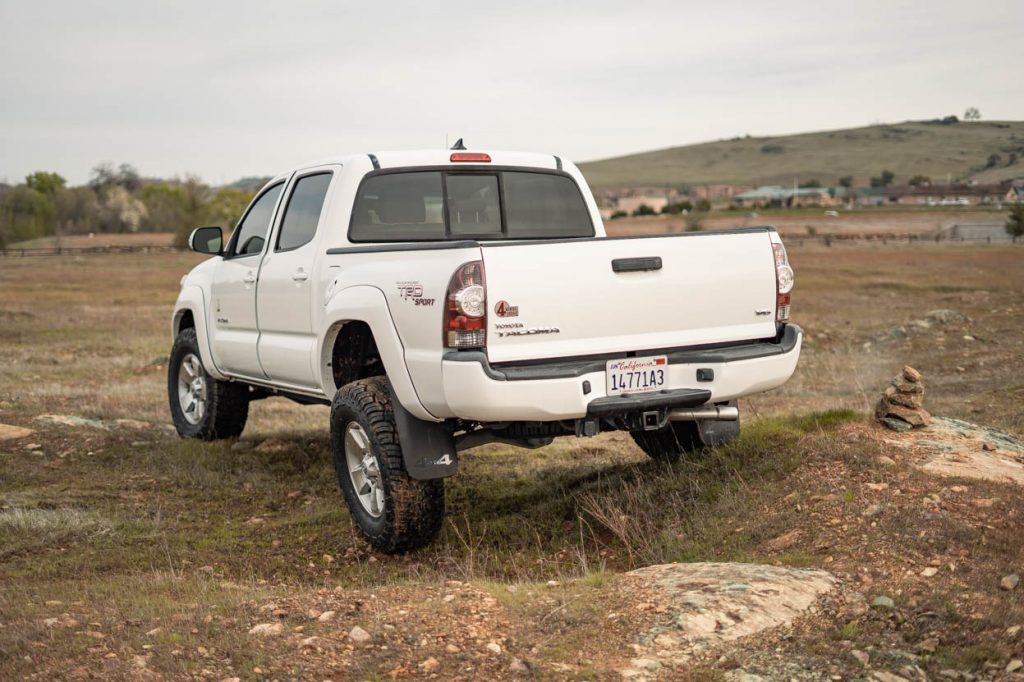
x=202, y=407
x=394, y=512
x=679, y=438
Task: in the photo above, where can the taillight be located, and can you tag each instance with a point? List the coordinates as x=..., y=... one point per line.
x=465, y=312
x=784, y=280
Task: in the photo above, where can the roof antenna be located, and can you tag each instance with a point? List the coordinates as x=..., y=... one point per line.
x=458, y=145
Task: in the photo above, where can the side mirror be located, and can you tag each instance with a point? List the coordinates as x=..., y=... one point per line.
x=207, y=240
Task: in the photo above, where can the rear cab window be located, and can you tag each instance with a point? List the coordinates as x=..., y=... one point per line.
x=494, y=203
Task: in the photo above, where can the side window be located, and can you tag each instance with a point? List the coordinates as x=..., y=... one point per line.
x=252, y=231
x=303, y=211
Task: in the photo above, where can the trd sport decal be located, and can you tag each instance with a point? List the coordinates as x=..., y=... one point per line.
x=413, y=291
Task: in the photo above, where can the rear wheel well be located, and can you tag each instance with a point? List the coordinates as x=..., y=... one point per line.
x=355, y=355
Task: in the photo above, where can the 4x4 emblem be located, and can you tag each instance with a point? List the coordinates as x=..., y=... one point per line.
x=503, y=309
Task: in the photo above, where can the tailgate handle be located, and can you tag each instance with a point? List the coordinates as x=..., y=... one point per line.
x=636, y=264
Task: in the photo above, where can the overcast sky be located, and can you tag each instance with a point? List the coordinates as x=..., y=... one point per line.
x=226, y=90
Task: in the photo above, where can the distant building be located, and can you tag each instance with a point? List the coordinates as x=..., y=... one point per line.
x=631, y=204
x=718, y=191
x=776, y=196
x=957, y=194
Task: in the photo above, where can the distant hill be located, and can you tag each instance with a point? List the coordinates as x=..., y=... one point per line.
x=932, y=148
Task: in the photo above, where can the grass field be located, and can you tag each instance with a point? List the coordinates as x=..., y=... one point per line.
x=126, y=552
x=907, y=149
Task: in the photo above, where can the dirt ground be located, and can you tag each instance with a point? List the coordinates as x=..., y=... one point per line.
x=126, y=553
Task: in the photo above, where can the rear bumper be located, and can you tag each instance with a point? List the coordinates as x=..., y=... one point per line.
x=474, y=389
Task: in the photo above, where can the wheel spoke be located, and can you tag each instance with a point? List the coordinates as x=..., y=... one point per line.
x=363, y=469
x=359, y=439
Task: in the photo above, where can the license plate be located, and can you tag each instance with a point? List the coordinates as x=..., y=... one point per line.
x=636, y=375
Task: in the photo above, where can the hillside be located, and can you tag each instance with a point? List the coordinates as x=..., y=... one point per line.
x=960, y=150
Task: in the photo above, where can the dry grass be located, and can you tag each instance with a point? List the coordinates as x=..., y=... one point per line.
x=135, y=529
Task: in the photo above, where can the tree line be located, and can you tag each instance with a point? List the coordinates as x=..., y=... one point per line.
x=116, y=199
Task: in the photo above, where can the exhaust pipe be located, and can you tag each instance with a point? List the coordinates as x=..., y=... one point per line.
x=727, y=413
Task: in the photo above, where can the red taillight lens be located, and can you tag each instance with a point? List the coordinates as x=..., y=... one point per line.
x=465, y=311
x=784, y=281
x=471, y=157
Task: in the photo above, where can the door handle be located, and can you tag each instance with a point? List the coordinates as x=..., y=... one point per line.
x=300, y=275
x=249, y=278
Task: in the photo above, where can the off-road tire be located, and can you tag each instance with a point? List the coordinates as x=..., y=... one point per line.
x=413, y=511
x=227, y=403
x=680, y=438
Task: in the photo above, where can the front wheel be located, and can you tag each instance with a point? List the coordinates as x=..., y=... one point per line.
x=394, y=512
x=202, y=407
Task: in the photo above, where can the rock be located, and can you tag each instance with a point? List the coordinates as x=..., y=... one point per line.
x=359, y=635
x=929, y=645
x=914, y=417
x=895, y=425
x=154, y=632
x=326, y=616
x=267, y=629
x=272, y=445
x=911, y=374
x=862, y=657
x=517, y=666
x=645, y=663
x=133, y=424
x=9, y=432
x=714, y=603
x=71, y=420
x=882, y=602
x=785, y=540
x=914, y=401
x=873, y=510
x=1010, y=582
x=452, y=649
x=430, y=665
x=1014, y=665
x=984, y=502
x=310, y=641
x=946, y=316
x=882, y=676
x=886, y=461
x=1013, y=631
x=929, y=572
x=494, y=647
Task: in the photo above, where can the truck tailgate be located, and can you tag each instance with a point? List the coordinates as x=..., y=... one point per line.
x=560, y=299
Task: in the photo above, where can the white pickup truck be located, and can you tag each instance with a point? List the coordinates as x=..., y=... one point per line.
x=439, y=300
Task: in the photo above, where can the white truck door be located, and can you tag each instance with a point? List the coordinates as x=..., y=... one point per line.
x=233, y=290
x=284, y=303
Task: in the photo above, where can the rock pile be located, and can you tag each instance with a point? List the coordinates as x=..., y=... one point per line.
x=902, y=405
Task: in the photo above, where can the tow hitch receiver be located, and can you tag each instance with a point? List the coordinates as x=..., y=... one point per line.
x=652, y=420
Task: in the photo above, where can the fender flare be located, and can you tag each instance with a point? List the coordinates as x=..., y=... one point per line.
x=364, y=303
x=192, y=299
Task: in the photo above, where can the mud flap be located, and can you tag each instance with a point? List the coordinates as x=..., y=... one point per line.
x=428, y=448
